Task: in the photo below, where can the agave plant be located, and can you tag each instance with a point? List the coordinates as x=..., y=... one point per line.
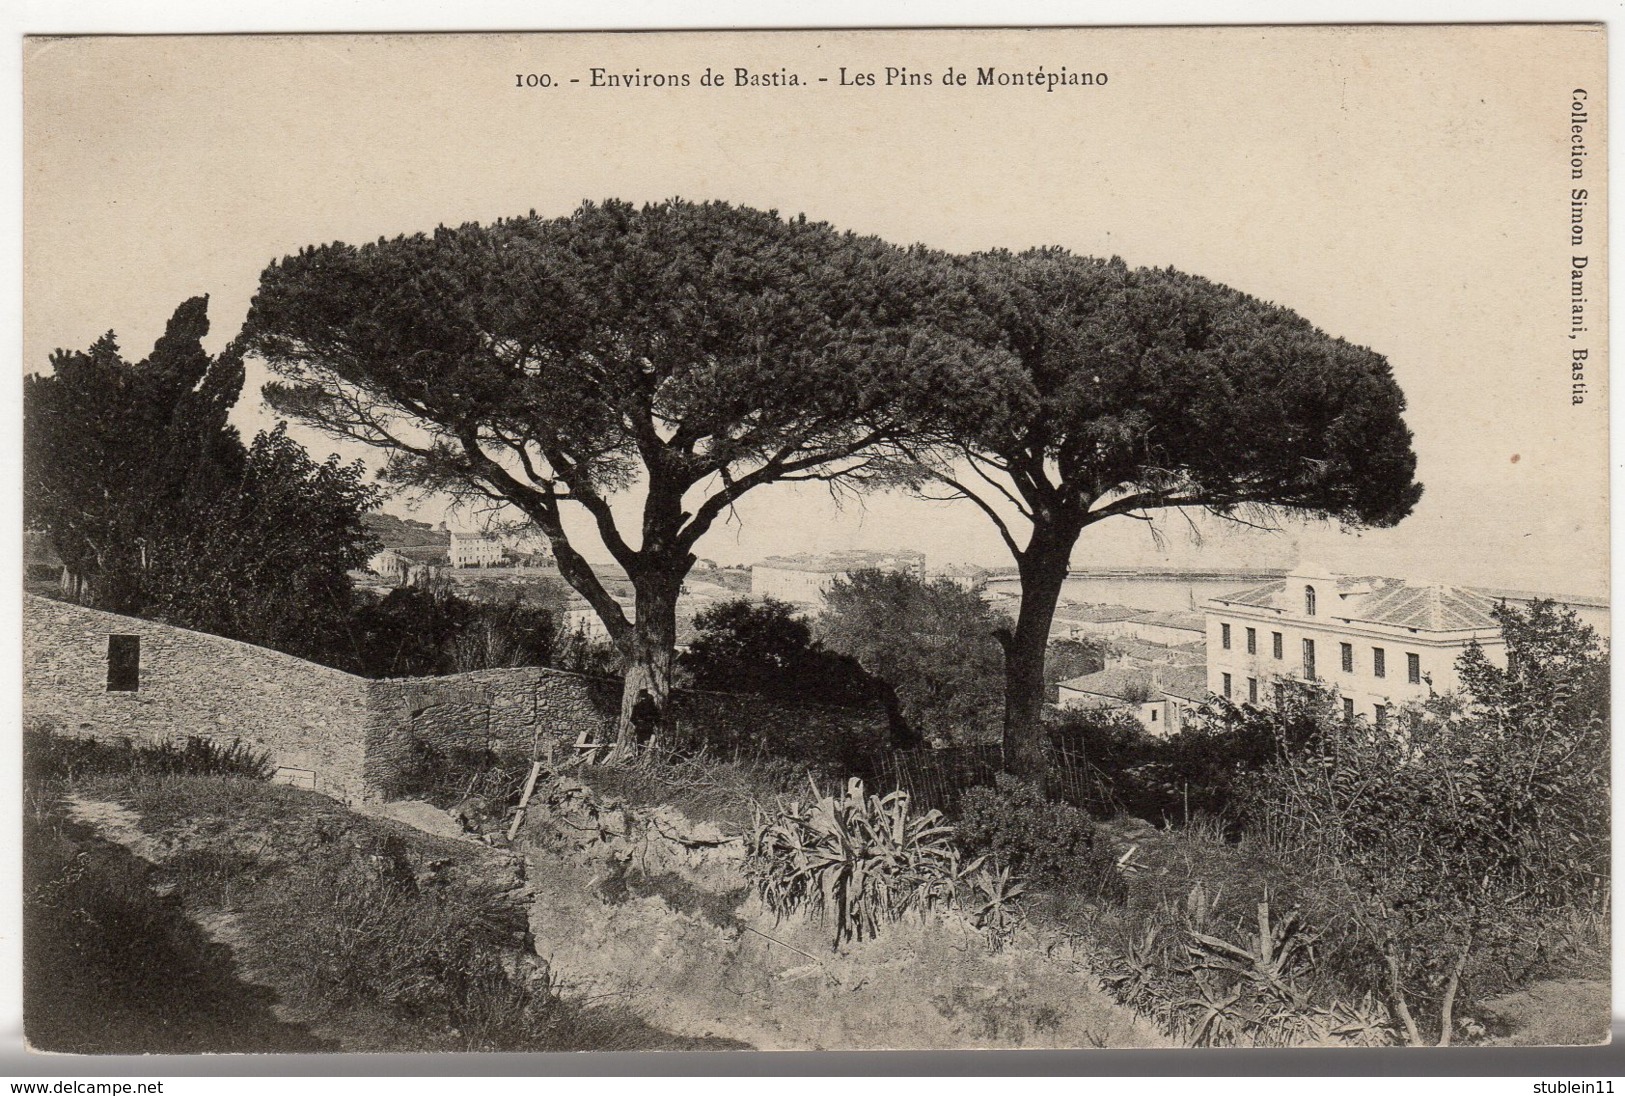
x=997, y=913
x=856, y=860
x=1268, y=964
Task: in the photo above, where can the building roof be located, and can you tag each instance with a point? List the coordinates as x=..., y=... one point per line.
x=1097, y=614
x=960, y=570
x=1185, y=682
x=1136, y=684
x=1128, y=683
x=1192, y=622
x=1425, y=607
x=421, y=553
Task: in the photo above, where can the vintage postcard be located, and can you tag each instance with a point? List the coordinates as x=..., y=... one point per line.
x=817, y=540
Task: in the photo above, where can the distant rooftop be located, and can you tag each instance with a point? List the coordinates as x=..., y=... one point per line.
x=1192, y=622
x=1376, y=600
x=1097, y=614
x=1187, y=681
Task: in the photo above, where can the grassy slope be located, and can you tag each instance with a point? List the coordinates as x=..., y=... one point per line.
x=321, y=923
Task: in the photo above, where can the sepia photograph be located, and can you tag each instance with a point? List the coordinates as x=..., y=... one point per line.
x=874, y=540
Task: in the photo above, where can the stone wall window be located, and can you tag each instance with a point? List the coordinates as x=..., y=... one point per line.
x=1309, y=660
x=1347, y=650
x=1224, y=636
x=1413, y=669
x=1276, y=644
x=123, y=664
x=1308, y=601
x=1252, y=641
x=1379, y=662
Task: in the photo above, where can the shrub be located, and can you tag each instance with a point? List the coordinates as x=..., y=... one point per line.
x=51, y=756
x=1045, y=840
x=866, y=861
x=446, y=777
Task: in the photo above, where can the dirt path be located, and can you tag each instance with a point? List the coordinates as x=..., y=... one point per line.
x=114, y=966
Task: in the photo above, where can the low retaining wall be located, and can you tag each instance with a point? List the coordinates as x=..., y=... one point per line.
x=349, y=736
x=308, y=718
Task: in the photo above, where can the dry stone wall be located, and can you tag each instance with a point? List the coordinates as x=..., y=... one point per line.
x=307, y=717
x=508, y=712
x=349, y=736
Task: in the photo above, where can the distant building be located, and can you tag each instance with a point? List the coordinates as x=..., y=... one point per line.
x=963, y=575
x=1074, y=621
x=475, y=550
x=805, y=579
x=408, y=565
x=1379, y=642
x=1172, y=629
x=582, y=619
x=1160, y=697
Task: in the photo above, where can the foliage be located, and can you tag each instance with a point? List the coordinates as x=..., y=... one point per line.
x=931, y=643
x=447, y=777
x=1048, y=842
x=428, y=630
x=700, y=350
x=864, y=861
x=1211, y=988
x=765, y=648
x=1467, y=834
x=371, y=938
x=265, y=560
x=158, y=509
x=118, y=456
x=1143, y=390
x=1069, y=658
x=49, y=756
x=1200, y=769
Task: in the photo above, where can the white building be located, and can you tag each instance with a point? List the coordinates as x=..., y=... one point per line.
x=475, y=550
x=805, y=579
x=1160, y=697
x=1378, y=642
x=966, y=576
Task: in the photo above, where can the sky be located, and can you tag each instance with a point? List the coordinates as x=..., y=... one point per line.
x=1405, y=188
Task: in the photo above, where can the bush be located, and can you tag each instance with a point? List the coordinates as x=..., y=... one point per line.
x=447, y=777
x=1045, y=840
x=373, y=940
x=866, y=861
x=51, y=756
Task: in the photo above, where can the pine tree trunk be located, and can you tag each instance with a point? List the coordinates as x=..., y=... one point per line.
x=1043, y=571
x=650, y=659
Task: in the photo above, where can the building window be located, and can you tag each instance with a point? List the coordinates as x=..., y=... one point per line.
x=1309, y=659
x=1280, y=695
x=1224, y=636
x=1348, y=709
x=123, y=664
x=1275, y=643
x=1347, y=651
x=1252, y=641
x=1413, y=668
x=1226, y=685
x=1308, y=601
x=1252, y=690
x=1379, y=662
x=1381, y=712
x=1153, y=715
